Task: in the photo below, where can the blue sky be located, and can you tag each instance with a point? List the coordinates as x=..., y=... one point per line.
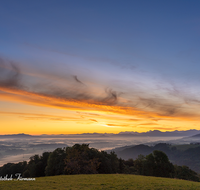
x=154, y=36
x=142, y=51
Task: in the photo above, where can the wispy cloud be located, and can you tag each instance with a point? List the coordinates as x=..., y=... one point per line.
x=33, y=116
x=72, y=93
x=77, y=80
x=162, y=128
x=94, y=120
x=148, y=124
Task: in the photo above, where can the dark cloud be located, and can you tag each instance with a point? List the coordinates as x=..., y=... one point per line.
x=161, y=106
x=111, y=97
x=10, y=77
x=66, y=93
x=77, y=80
x=147, y=102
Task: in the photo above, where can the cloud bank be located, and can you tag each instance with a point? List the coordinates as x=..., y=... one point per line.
x=90, y=101
x=73, y=93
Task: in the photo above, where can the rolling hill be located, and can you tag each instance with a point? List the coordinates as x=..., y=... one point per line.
x=100, y=181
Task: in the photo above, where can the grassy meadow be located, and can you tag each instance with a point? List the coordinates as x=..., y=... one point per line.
x=100, y=181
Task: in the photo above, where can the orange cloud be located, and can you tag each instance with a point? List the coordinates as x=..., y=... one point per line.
x=78, y=97
x=33, y=116
x=18, y=95
x=148, y=124
x=163, y=128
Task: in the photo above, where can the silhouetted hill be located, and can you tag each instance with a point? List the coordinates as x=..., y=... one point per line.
x=134, y=151
x=188, y=155
x=195, y=136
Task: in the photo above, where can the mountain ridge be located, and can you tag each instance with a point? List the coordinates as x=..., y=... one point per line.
x=154, y=133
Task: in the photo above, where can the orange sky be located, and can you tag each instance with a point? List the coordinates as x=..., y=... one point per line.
x=32, y=112
x=98, y=66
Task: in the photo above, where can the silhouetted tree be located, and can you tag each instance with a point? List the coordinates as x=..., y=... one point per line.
x=80, y=159
x=55, y=162
x=154, y=164
x=11, y=168
x=36, y=165
x=183, y=172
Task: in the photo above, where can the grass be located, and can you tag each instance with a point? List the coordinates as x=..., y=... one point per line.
x=100, y=181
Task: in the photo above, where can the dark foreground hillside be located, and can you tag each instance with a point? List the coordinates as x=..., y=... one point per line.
x=100, y=181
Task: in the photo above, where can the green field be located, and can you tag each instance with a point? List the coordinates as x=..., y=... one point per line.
x=100, y=181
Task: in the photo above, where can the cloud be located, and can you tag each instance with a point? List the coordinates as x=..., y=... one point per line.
x=52, y=90
x=148, y=124
x=33, y=116
x=9, y=77
x=94, y=120
x=111, y=97
x=106, y=60
x=10, y=82
x=77, y=80
x=119, y=125
x=163, y=128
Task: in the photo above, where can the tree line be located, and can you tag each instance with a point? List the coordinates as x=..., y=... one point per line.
x=184, y=154
x=80, y=159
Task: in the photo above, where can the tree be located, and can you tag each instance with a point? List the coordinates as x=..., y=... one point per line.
x=183, y=172
x=80, y=159
x=36, y=165
x=121, y=166
x=11, y=168
x=139, y=164
x=129, y=167
x=155, y=164
x=105, y=163
x=55, y=162
x=163, y=167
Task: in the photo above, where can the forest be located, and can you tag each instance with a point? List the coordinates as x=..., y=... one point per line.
x=179, y=154
x=80, y=159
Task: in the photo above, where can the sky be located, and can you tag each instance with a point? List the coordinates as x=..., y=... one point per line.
x=72, y=67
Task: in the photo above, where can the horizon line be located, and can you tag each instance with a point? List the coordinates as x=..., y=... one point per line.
x=128, y=132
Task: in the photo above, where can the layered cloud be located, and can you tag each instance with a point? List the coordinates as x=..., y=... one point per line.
x=112, y=105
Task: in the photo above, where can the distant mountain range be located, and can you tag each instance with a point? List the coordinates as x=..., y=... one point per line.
x=21, y=135
x=157, y=133
x=154, y=133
